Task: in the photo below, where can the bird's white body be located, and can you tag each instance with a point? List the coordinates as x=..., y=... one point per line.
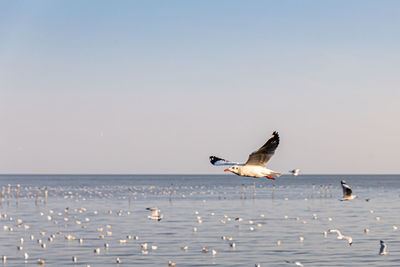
x=349, y=197
x=252, y=171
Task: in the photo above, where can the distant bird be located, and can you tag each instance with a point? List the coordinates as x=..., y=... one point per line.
x=155, y=214
x=295, y=172
x=347, y=192
x=297, y=263
x=255, y=165
x=382, y=250
x=340, y=236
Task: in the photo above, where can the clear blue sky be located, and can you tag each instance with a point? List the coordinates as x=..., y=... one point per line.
x=158, y=86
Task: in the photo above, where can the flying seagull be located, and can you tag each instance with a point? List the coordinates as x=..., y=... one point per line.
x=295, y=172
x=347, y=191
x=340, y=236
x=255, y=165
x=382, y=250
x=155, y=214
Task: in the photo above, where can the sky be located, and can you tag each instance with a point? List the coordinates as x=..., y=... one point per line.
x=152, y=87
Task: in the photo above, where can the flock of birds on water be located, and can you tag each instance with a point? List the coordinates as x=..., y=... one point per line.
x=254, y=167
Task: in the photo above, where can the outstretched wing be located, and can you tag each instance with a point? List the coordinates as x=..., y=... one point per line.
x=383, y=248
x=346, y=190
x=221, y=162
x=262, y=155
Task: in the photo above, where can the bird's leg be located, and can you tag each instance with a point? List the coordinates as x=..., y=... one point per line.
x=270, y=177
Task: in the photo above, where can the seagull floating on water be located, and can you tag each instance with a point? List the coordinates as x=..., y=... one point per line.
x=347, y=192
x=297, y=263
x=155, y=214
x=255, y=165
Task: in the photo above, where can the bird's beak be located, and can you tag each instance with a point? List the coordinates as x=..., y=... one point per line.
x=226, y=170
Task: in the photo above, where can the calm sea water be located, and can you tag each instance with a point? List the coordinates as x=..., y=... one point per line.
x=283, y=210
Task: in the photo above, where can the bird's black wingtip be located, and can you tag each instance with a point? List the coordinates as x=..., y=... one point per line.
x=275, y=136
x=214, y=159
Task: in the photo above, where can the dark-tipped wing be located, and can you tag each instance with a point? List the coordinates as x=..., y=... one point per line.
x=346, y=190
x=262, y=155
x=221, y=162
x=382, y=249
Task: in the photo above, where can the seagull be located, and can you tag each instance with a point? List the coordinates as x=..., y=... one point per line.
x=297, y=263
x=347, y=191
x=382, y=250
x=340, y=236
x=155, y=214
x=255, y=165
x=295, y=172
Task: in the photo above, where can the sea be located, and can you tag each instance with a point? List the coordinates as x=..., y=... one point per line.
x=207, y=220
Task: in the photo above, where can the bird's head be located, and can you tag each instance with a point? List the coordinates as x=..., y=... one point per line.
x=234, y=169
x=342, y=181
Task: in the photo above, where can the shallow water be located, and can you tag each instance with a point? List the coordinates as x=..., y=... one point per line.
x=95, y=201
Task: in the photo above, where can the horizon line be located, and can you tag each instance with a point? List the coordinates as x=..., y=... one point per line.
x=1, y=174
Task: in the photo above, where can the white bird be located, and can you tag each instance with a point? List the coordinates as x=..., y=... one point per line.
x=382, y=250
x=297, y=263
x=295, y=172
x=347, y=192
x=255, y=165
x=155, y=214
x=340, y=236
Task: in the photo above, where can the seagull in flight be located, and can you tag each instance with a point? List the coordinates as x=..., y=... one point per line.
x=347, y=191
x=155, y=214
x=382, y=250
x=295, y=172
x=255, y=165
x=340, y=236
